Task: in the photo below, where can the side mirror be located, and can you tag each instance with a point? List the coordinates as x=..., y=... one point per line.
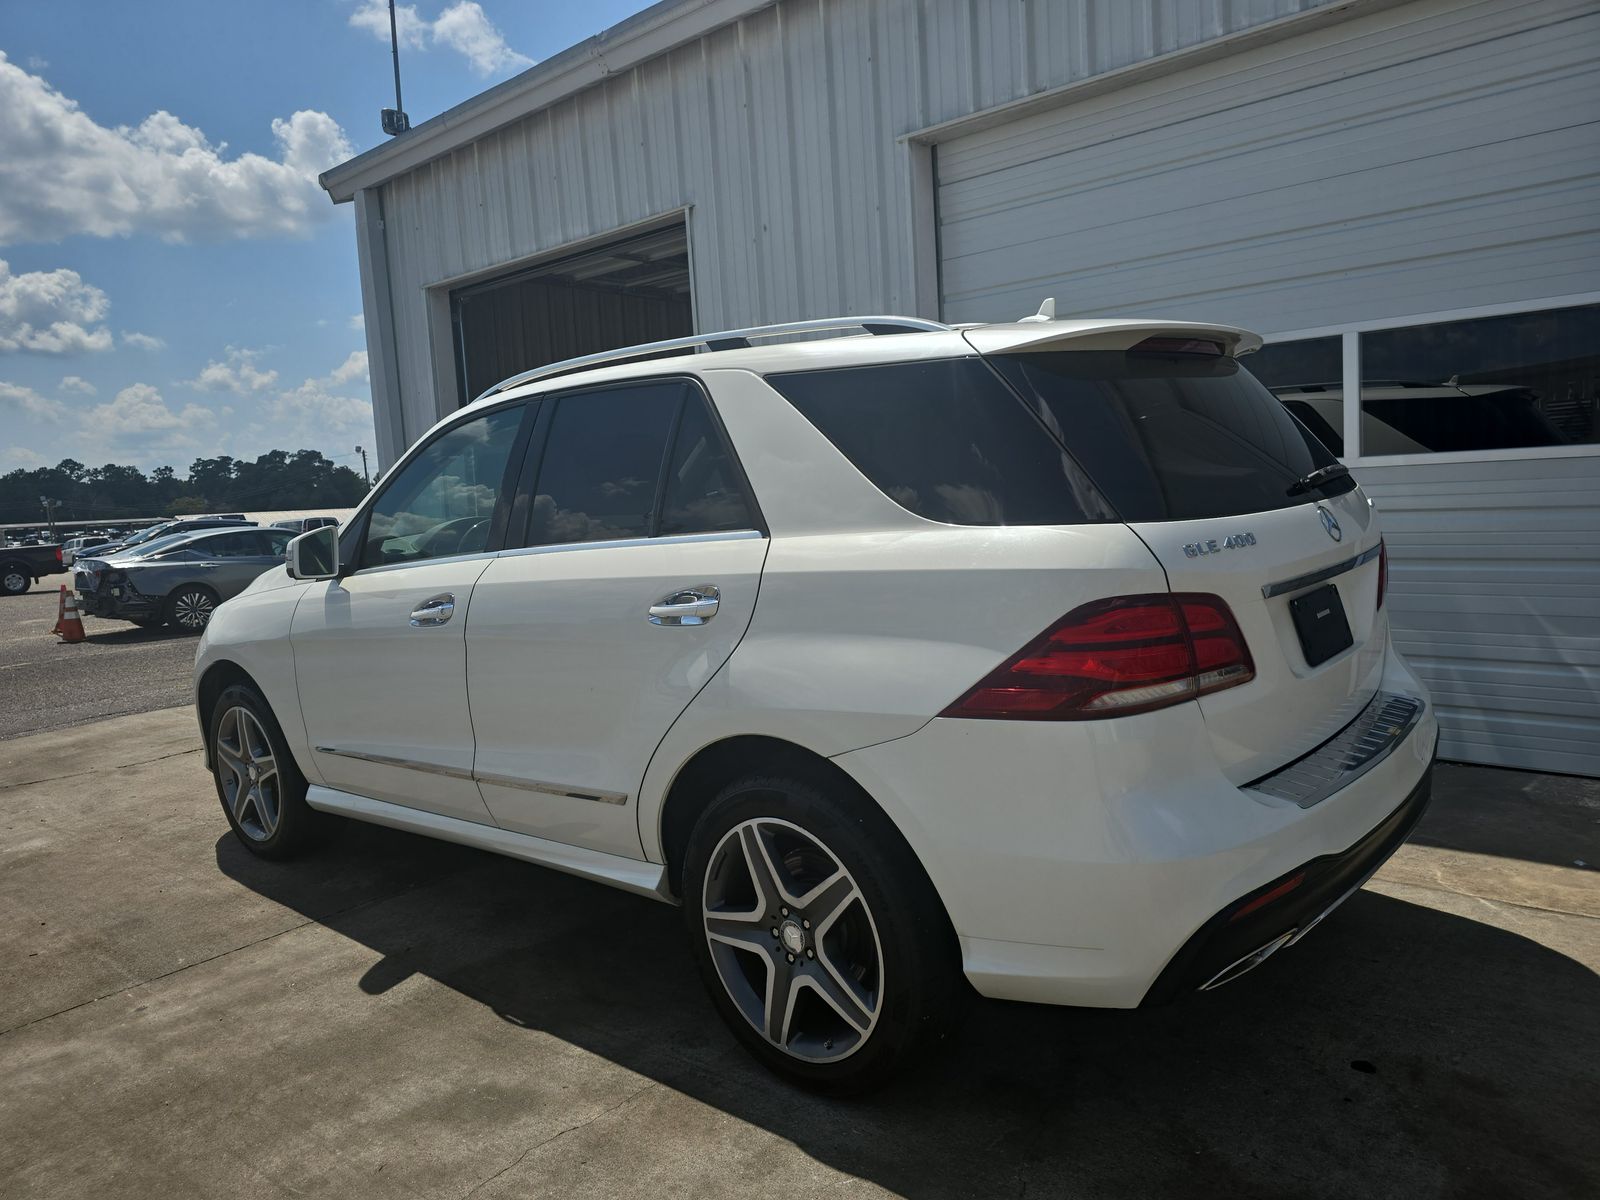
x=315, y=555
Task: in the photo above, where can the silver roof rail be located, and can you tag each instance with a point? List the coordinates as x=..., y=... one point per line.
x=728, y=339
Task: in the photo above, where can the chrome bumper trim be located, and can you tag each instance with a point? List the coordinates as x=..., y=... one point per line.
x=1348, y=755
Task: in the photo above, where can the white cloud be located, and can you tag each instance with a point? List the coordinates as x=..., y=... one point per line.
x=61, y=173
x=19, y=458
x=352, y=368
x=236, y=373
x=50, y=312
x=35, y=63
x=77, y=385
x=373, y=16
x=358, y=323
x=16, y=398
x=142, y=341
x=463, y=27
x=140, y=420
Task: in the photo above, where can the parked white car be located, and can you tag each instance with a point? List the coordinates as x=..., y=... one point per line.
x=1049, y=658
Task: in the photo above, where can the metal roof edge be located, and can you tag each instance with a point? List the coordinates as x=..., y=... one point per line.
x=645, y=35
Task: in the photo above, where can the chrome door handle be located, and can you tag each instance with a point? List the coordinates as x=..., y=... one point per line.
x=435, y=610
x=689, y=606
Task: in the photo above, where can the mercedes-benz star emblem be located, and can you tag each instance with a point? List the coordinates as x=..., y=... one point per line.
x=1331, y=524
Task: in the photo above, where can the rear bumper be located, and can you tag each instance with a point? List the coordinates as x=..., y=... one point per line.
x=1282, y=911
x=1077, y=860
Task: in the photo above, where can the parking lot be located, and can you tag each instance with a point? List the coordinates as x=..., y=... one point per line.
x=46, y=684
x=396, y=1017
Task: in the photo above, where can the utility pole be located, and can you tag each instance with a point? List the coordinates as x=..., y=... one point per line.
x=364, y=474
x=395, y=121
x=50, y=507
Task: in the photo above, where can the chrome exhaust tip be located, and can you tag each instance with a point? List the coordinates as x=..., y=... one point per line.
x=1249, y=962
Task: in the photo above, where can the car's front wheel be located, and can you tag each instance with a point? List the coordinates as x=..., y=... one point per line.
x=190, y=608
x=819, y=937
x=262, y=791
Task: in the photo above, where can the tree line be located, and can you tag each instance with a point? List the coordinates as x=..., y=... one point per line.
x=276, y=480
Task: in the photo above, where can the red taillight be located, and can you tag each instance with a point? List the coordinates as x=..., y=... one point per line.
x=58, y=553
x=1383, y=570
x=1127, y=655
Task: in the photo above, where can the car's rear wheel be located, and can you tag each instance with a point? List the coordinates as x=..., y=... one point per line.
x=262, y=791
x=14, y=579
x=819, y=937
x=190, y=608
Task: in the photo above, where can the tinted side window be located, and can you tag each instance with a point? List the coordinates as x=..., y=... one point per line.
x=442, y=502
x=704, y=492
x=947, y=440
x=601, y=465
x=231, y=545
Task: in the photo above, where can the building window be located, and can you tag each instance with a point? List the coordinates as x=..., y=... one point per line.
x=1308, y=376
x=1494, y=383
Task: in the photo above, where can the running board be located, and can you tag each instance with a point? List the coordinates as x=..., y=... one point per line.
x=629, y=874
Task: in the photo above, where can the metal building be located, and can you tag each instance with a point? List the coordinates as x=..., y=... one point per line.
x=1403, y=195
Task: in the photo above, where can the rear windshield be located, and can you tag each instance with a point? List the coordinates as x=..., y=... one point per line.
x=948, y=440
x=1172, y=437
x=1078, y=436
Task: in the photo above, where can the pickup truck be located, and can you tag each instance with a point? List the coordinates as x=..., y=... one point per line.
x=23, y=566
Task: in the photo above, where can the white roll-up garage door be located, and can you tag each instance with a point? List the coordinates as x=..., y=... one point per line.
x=1431, y=156
x=1425, y=158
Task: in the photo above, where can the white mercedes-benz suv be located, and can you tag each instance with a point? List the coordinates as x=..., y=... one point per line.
x=1048, y=660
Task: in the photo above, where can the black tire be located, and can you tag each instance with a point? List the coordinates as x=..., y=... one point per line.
x=188, y=608
x=297, y=825
x=918, y=987
x=148, y=622
x=15, y=578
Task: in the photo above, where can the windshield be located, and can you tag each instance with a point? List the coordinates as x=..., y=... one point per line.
x=157, y=545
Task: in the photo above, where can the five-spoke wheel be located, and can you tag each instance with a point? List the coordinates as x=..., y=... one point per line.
x=248, y=773
x=817, y=931
x=793, y=940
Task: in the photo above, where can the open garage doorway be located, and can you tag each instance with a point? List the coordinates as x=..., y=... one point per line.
x=632, y=290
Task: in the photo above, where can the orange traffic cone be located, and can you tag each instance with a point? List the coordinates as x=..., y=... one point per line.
x=61, y=609
x=70, y=626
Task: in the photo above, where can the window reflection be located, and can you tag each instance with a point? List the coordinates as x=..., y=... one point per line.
x=1510, y=382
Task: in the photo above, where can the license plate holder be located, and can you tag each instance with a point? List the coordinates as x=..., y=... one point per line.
x=1320, y=621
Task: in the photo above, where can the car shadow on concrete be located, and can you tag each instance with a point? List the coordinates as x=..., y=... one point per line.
x=1398, y=1051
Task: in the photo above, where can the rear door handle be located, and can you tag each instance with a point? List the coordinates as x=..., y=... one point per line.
x=435, y=610
x=689, y=606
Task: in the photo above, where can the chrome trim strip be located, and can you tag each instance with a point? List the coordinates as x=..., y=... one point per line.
x=681, y=539
x=1377, y=731
x=1269, y=590
x=529, y=785
x=408, y=764
x=553, y=789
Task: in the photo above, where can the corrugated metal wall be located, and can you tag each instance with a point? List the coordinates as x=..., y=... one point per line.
x=1429, y=157
x=780, y=131
x=1495, y=586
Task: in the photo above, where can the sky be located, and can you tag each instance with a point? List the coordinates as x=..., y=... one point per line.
x=173, y=282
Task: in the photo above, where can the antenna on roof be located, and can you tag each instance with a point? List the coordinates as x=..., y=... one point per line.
x=1047, y=312
x=395, y=120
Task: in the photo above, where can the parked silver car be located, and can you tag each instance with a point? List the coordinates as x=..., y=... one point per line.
x=177, y=580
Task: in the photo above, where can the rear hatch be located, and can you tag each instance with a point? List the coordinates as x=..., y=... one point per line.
x=1205, y=464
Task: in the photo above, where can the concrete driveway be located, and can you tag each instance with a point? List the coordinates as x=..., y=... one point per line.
x=395, y=1017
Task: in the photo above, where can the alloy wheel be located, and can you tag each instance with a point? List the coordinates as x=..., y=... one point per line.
x=193, y=610
x=793, y=940
x=249, y=774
